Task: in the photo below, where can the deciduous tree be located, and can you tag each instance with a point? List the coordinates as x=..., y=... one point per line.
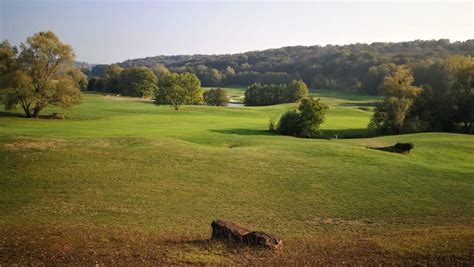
x=399, y=94
x=295, y=91
x=216, y=97
x=42, y=74
x=306, y=121
x=312, y=115
x=137, y=81
x=179, y=89
x=271, y=94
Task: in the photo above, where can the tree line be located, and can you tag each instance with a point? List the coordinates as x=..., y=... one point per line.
x=356, y=67
x=134, y=81
x=165, y=87
x=42, y=73
x=430, y=94
x=442, y=99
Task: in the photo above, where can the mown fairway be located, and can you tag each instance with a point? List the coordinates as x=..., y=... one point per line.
x=122, y=179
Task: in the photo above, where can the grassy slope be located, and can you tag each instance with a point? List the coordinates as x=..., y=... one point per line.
x=131, y=164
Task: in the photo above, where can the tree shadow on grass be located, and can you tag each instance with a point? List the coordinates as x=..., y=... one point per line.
x=53, y=116
x=240, y=131
x=400, y=148
x=390, y=149
x=326, y=133
x=12, y=114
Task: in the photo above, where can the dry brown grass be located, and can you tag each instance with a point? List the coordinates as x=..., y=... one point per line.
x=127, y=98
x=337, y=221
x=29, y=143
x=87, y=245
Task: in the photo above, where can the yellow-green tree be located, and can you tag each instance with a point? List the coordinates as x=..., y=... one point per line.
x=137, y=81
x=160, y=71
x=399, y=94
x=216, y=97
x=305, y=121
x=178, y=89
x=295, y=91
x=42, y=74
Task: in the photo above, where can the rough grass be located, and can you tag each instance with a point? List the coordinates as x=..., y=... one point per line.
x=127, y=170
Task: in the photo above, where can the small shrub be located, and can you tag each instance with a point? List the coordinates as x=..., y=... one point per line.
x=306, y=121
x=272, y=127
x=216, y=97
x=404, y=147
x=290, y=123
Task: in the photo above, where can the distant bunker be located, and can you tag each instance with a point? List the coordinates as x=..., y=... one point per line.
x=228, y=231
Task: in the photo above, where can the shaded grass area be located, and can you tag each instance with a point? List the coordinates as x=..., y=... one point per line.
x=132, y=166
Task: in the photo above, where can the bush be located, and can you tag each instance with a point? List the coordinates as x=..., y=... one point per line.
x=289, y=124
x=306, y=121
x=272, y=125
x=216, y=97
x=312, y=116
x=404, y=147
x=176, y=89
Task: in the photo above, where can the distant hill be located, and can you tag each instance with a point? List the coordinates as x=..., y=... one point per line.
x=84, y=65
x=330, y=66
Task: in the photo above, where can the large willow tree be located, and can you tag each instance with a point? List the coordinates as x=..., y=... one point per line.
x=41, y=74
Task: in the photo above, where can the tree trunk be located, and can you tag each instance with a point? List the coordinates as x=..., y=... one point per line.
x=27, y=112
x=467, y=127
x=36, y=111
x=26, y=108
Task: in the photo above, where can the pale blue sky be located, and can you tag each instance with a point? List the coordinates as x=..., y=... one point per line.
x=105, y=31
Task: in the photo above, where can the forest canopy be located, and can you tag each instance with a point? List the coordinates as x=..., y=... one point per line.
x=356, y=67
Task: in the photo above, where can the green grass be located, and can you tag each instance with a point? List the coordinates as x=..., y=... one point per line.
x=129, y=163
x=101, y=116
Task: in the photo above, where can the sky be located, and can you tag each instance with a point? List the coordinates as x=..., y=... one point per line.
x=106, y=31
